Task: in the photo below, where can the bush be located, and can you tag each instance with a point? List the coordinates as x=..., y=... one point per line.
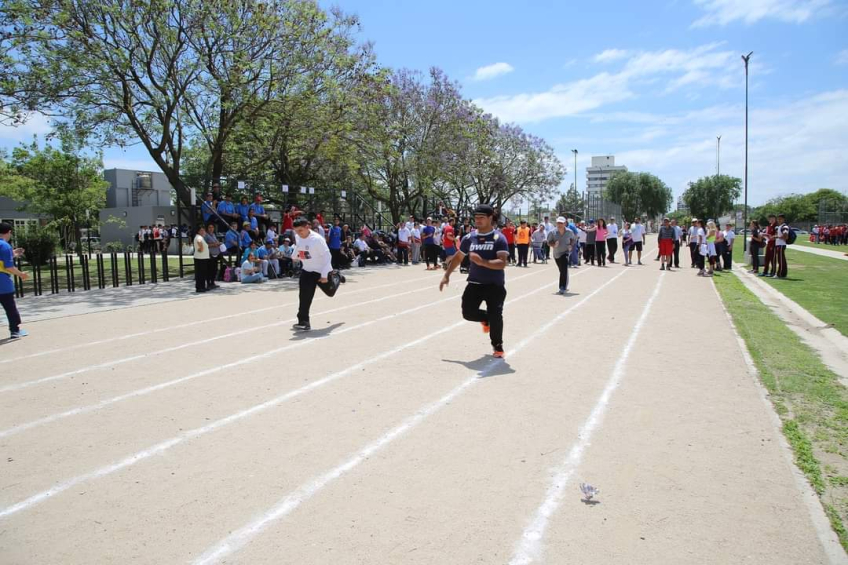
x=39, y=243
x=115, y=246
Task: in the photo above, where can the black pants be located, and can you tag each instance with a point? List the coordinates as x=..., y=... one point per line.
x=612, y=245
x=212, y=267
x=780, y=260
x=755, y=257
x=589, y=252
x=700, y=261
x=562, y=264
x=720, y=249
x=403, y=255
x=201, y=266
x=14, y=317
x=308, y=282
x=693, y=252
x=512, y=253
x=431, y=254
x=494, y=296
x=728, y=256
x=336, y=258
x=601, y=252
x=523, y=249
x=676, y=254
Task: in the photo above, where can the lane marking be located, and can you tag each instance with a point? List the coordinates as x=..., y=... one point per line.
x=242, y=414
x=529, y=548
x=187, y=324
x=242, y=536
x=130, y=359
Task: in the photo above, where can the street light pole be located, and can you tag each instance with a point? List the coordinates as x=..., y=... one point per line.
x=746, y=58
x=718, y=155
x=575, y=170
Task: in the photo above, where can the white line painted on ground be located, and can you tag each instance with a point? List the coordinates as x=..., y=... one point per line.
x=190, y=324
x=303, y=493
x=205, y=340
x=242, y=414
x=529, y=548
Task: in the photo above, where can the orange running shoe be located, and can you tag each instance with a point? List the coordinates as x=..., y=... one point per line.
x=499, y=353
x=485, y=327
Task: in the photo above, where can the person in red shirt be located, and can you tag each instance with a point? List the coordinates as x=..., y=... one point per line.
x=289, y=217
x=449, y=241
x=509, y=234
x=769, y=260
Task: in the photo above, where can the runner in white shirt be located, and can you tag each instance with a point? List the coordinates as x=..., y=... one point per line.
x=612, y=239
x=637, y=232
x=312, y=251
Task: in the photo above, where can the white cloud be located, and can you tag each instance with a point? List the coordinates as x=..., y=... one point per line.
x=36, y=124
x=610, y=55
x=704, y=65
x=842, y=57
x=723, y=12
x=130, y=164
x=491, y=71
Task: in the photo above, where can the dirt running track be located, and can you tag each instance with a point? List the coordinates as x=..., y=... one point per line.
x=389, y=435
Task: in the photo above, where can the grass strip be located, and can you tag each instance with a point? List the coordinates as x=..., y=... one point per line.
x=811, y=403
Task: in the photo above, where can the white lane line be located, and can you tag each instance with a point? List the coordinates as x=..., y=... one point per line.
x=148, y=354
x=189, y=324
x=529, y=548
x=242, y=414
x=242, y=536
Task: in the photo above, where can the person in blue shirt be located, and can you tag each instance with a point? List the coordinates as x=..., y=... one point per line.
x=488, y=253
x=254, y=224
x=227, y=210
x=334, y=242
x=208, y=208
x=267, y=254
x=431, y=250
x=7, y=284
x=246, y=237
x=574, y=258
x=232, y=239
x=242, y=209
x=259, y=211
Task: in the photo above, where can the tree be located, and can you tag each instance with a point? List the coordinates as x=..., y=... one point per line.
x=639, y=193
x=59, y=183
x=571, y=203
x=712, y=196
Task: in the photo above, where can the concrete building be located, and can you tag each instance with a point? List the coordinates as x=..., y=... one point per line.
x=681, y=205
x=598, y=175
x=10, y=212
x=133, y=199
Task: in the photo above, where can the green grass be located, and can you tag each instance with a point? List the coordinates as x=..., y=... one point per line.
x=816, y=283
x=811, y=403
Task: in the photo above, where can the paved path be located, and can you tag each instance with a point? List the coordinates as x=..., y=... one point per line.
x=389, y=435
x=824, y=252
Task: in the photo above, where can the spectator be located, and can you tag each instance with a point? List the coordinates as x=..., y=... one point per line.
x=201, y=260
x=769, y=264
x=754, y=247
x=627, y=244
x=271, y=234
x=431, y=250
x=678, y=240
x=522, y=241
x=449, y=240
x=334, y=243
x=366, y=231
x=254, y=224
x=637, y=231
x=538, y=239
x=260, y=214
x=693, y=243
x=582, y=237
x=318, y=227
x=214, y=256
x=403, y=243
x=591, y=235
x=612, y=239
x=362, y=249
x=509, y=235
x=782, y=239
x=729, y=238
x=415, y=234
x=270, y=262
x=250, y=273
x=601, y=242
x=227, y=210
x=246, y=237
x=208, y=209
x=7, y=283
x=231, y=240
x=666, y=243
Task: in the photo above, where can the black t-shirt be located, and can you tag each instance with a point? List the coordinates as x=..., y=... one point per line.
x=486, y=246
x=755, y=233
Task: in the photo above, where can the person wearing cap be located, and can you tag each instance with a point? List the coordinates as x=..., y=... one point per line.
x=7, y=283
x=259, y=212
x=561, y=241
x=208, y=209
x=522, y=241
x=246, y=236
x=488, y=253
x=243, y=208
x=612, y=239
x=666, y=243
x=227, y=211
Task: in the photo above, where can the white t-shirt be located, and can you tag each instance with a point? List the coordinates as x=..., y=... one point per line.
x=409, y=225
x=247, y=268
x=416, y=233
x=360, y=245
x=729, y=235
x=549, y=228
x=437, y=236
x=637, y=231
x=581, y=235
x=313, y=253
x=612, y=231
x=403, y=234
x=701, y=236
x=782, y=229
x=201, y=248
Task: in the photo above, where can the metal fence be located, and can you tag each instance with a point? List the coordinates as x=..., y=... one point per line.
x=832, y=212
x=596, y=206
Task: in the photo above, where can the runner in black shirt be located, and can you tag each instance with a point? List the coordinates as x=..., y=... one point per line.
x=488, y=251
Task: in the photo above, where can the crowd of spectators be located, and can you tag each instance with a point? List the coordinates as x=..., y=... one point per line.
x=830, y=234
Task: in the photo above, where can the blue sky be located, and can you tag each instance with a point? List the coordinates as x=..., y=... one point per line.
x=653, y=83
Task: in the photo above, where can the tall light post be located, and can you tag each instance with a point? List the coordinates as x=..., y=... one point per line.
x=746, y=59
x=718, y=155
x=575, y=170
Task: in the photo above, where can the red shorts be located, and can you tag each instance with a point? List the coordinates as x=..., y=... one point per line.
x=666, y=246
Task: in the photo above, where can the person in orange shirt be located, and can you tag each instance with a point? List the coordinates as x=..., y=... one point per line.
x=522, y=241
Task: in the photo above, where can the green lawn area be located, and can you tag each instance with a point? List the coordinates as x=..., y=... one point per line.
x=812, y=404
x=816, y=283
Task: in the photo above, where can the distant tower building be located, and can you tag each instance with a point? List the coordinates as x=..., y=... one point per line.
x=598, y=175
x=681, y=205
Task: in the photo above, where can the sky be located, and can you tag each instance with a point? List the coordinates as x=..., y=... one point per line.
x=653, y=83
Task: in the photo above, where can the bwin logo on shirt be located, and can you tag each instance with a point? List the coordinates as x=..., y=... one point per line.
x=488, y=246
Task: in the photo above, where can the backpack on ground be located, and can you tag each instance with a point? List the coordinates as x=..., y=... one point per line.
x=229, y=274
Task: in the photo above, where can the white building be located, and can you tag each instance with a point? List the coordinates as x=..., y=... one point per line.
x=133, y=199
x=598, y=175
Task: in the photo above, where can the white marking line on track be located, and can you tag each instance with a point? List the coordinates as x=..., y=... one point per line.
x=529, y=548
x=292, y=501
x=256, y=409
x=130, y=359
x=188, y=324
x=827, y=537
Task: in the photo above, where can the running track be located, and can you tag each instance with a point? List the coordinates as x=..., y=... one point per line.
x=389, y=435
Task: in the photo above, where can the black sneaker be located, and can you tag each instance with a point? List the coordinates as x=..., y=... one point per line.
x=302, y=327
